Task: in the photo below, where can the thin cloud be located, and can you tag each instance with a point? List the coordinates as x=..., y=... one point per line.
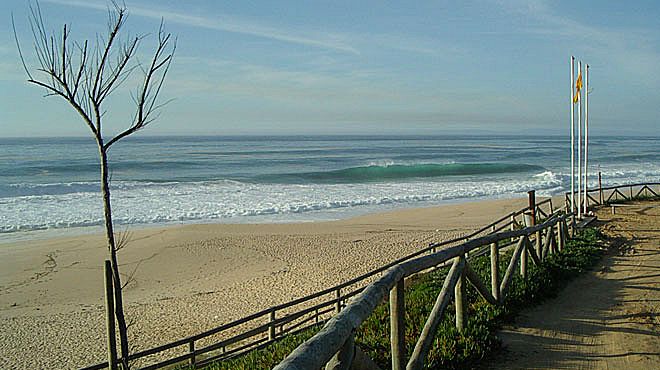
x=405, y=44
x=630, y=49
x=226, y=24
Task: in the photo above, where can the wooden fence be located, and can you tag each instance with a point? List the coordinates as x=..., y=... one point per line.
x=266, y=326
x=334, y=344
x=617, y=193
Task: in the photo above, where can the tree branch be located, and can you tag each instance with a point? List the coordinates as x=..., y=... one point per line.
x=18, y=46
x=76, y=106
x=118, y=71
x=98, y=81
x=148, y=95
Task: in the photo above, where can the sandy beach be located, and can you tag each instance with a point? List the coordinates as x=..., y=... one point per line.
x=284, y=151
x=190, y=278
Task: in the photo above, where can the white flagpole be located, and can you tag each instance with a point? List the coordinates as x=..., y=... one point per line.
x=579, y=160
x=586, y=134
x=572, y=136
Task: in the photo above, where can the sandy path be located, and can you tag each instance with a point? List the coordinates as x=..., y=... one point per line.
x=606, y=319
x=192, y=278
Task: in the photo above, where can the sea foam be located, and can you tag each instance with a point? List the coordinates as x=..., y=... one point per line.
x=280, y=179
x=150, y=203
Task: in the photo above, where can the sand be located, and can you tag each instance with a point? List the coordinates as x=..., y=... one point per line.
x=605, y=319
x=191, y=278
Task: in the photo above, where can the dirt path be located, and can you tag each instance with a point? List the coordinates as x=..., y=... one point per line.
x=605, y=319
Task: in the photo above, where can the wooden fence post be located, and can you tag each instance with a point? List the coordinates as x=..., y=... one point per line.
x=600, y=188
x=539, y=244
x=428, y=331
x=560, y=235
x=529, y=222
x=110, y=317
x=573, y=226
x=338, y=304
x=532, y=205
x=527, y=218
x=523, y=263
x=520, y=247
x=513, y=225
x=532, y=208
x=495, y=271
x=459, y=302
x=271, y=324
x=191, y=350
x=547, y=244
x=398, y=325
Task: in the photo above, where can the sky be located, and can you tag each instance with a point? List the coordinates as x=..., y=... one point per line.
x=359, y=67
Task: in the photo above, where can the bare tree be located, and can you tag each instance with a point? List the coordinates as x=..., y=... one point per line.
x=84, y=75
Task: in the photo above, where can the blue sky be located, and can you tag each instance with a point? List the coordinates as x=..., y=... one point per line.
x=363, y=67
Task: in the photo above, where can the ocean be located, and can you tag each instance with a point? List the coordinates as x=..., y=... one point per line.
x=52, y=183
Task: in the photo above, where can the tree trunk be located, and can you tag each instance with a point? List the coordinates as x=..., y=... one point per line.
x=112, y=249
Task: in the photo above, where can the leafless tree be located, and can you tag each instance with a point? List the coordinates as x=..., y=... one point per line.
x=85, y=74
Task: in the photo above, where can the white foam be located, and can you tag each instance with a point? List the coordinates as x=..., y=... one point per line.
x=232, y=201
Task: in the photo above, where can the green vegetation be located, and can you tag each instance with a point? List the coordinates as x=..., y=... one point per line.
x=452, y=349
x=267, y=357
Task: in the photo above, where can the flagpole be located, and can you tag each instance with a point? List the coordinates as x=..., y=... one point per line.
x=572, y=137
x=586, y=135
x=579, y=159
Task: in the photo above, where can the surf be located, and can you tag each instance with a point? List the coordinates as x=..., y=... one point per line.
x=398, y=172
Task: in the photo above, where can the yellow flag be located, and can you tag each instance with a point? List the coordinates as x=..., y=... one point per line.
x=578, y=87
